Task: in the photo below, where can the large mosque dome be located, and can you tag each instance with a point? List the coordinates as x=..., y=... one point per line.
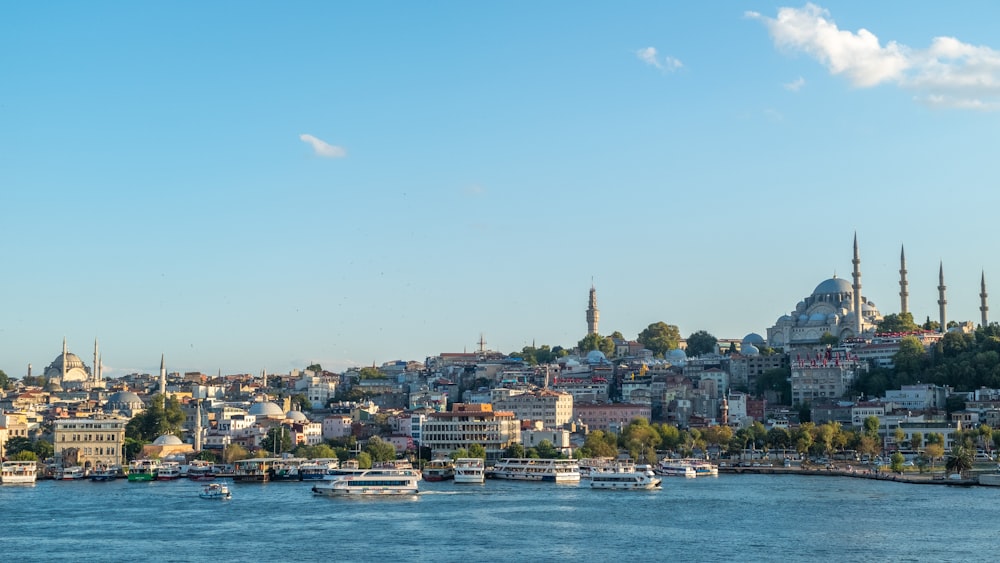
x=167, y=440
x=267, y=410
x=833, y=286
x=125, y=402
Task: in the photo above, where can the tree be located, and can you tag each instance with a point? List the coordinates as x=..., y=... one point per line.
x=371, y=373
x=931, y=325
x=899, y=436
x=477, y=450
x=160, y=417
x=701, y=343
x=871, y=426
x=25, y=455
x=315, y=368
x=364, y=460
x=459, y=453
x=660, y=338
x=828, y=339
x=278, y=440
x=43, y=448
x=380, y=450
x=301, y=401
x=898, y=322
x=600, y=444
x=597, y=342
x=896, y=462
x=933, y=451
x=916, y=441
x=776, y=381
x=959, y=460
x=514, y=450
x=234, y=452
x=16, y=445
x=911, y=356
x=4, y=380
x=547, y=450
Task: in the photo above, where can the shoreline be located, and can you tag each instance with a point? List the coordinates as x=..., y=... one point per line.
x=919, y=479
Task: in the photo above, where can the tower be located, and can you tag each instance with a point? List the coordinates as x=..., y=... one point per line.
x=983, y=308
x=96, y=376
x=64, y=361
x=942, y=302
x=163, y=378
x=857, y=288
x=197, y=426
x=593, y=315
x=904, y=294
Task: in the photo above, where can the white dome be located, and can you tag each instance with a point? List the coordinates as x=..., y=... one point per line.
x=268, y=410
x=167, y=440
x=596, y=357
x=297, y=416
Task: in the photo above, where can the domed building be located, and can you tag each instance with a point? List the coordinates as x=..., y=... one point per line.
x=166, y=445
x=124, y=403
x=267, y=410
x=829, y=309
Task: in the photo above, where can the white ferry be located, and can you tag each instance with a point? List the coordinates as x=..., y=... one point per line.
x=591, y=465
x=168, y=471
x=19, y=472
x=528, y=469
x=72, y=473
x=316, y=469
x=703, y=468
x=469, y=470
x=675, y=468
x=624, y=477
x=371, y=482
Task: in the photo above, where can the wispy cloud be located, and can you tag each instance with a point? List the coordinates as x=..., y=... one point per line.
x=649, y=56
x=795, y=85
x=322, y=148
x=949, y=73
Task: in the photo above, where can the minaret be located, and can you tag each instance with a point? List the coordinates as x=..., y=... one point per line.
x=593, y=315
x=941, y=300
x=94, y=376
x=857, y=288
x=982, y=300
x=163, y=378
x=197, y=426
x=63, y=361
x=904, y=294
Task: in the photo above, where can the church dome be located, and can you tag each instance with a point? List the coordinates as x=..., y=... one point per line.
x=296, y=416
x=167, y=440
x=267, y=410
x=833, y=285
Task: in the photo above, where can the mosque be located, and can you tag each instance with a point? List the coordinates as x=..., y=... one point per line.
x=68, y=372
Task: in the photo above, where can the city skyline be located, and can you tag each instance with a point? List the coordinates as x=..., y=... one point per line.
x=272, y=186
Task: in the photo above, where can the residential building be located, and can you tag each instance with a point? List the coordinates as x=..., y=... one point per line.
x=609, y=416
x=467, y=424
x=90, y=442
x=552, y=408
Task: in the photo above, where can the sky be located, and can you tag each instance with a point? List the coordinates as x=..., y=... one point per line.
x=247, y=186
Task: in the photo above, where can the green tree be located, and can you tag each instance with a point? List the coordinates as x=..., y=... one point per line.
x=315, y=368
x=380, y=450
x=911, y=356
x=931, y=325
x=828, y=339
x=278, y=440
x=364, y=460
x=160, y=417
x=897, y=322
x=4, y=380
x=701, y=343
x=547, y=450
x=301, y=401
x=916, y=441
x=600, y=444
x=477, y=450
x=959, y=460
x=934, y=451
x=234, y=452
x=871, y=426
x=43, y=448
x=514, y=450
x=371, y=373
x=660, y=338
x=459, y=453
x=899, y=436
x=16, y=445
x=25, y=455
x=776, y=381
x=896, y=462
x=597, y=342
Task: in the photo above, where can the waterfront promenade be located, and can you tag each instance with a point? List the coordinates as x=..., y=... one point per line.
x=929, y=478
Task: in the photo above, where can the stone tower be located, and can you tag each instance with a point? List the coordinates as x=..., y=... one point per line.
x=163, y=379
x=942, y=302
x=983, y=308
x=904, y=294
x=857, y=288
x=593, y=315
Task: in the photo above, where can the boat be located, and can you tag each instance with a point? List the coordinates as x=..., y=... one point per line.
x=18, y=472
x=590, y=465
x=370, y=482
x=142, y=470
x=201, y=471
x=703, y=468
x=215, y=491
x=624, y=476
x=529, y=469
x=317, y=469
x=102, y=473
x=72, y=473
x=675, y=468
x=286, y=469
x=168, y=471
x=439, y=470
x=470, y=470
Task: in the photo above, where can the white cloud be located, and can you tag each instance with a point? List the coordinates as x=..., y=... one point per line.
x=649, y=56
x=795, y=85
x=949, y=73
x=322, y=148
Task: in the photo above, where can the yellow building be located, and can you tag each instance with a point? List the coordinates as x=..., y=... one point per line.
x=90, y=442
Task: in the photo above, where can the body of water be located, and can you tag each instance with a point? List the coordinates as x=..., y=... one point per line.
x=731, y=517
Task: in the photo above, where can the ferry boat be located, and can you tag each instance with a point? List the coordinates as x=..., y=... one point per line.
x=529, y=469
x=142, y=470
x=703, y=468
x=19, y=472
x=286, y=469
x=439, y=470
x=72, y=473
x=317, y=469
x=200, y=471
x=103, y=474
x=168, y=471
x=371, y=482
x=675, y=468
x=470, y=470
x=215, y=491
x=624, y=476
x=591, y=465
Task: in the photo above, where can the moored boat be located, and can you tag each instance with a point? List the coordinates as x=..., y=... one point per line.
x=624, y=476
x=102, y=473
x=72, y=473
x=18, y=472
x=168, y=471
x=529, y=469
x=142, y=470
x=675, y=468
x=370, y=482
x=216, y=491
x=470, y=470
x=439, y=470
x=317, y=469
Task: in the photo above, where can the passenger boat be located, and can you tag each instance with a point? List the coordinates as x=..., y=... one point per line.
x=371, y=482
x=703, y=468
x=591, y=465
x=201, y=471
x=215, y=491
x=529, y=469
x=469, y=470
x=675, y=468
x=73, y=473
x=317, y=469
x=349, y=467
x=168, y=471
x=624, y=476
x=103, y=474
x=142, y=470
x=18, y=472
x=286, y=469
x=439, y=470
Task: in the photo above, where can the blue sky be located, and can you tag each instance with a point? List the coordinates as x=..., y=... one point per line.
x=256, y=185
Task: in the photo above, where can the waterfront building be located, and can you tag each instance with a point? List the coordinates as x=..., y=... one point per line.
x=467, y=424
x=861, y=411
x=919, y=397
x=609, y=416
x=554, y=409
x=90, y=442
x=337, y=426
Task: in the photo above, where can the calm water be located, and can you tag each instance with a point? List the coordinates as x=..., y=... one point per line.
x=732, y=517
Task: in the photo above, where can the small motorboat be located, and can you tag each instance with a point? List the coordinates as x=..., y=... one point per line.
x=216, y=491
